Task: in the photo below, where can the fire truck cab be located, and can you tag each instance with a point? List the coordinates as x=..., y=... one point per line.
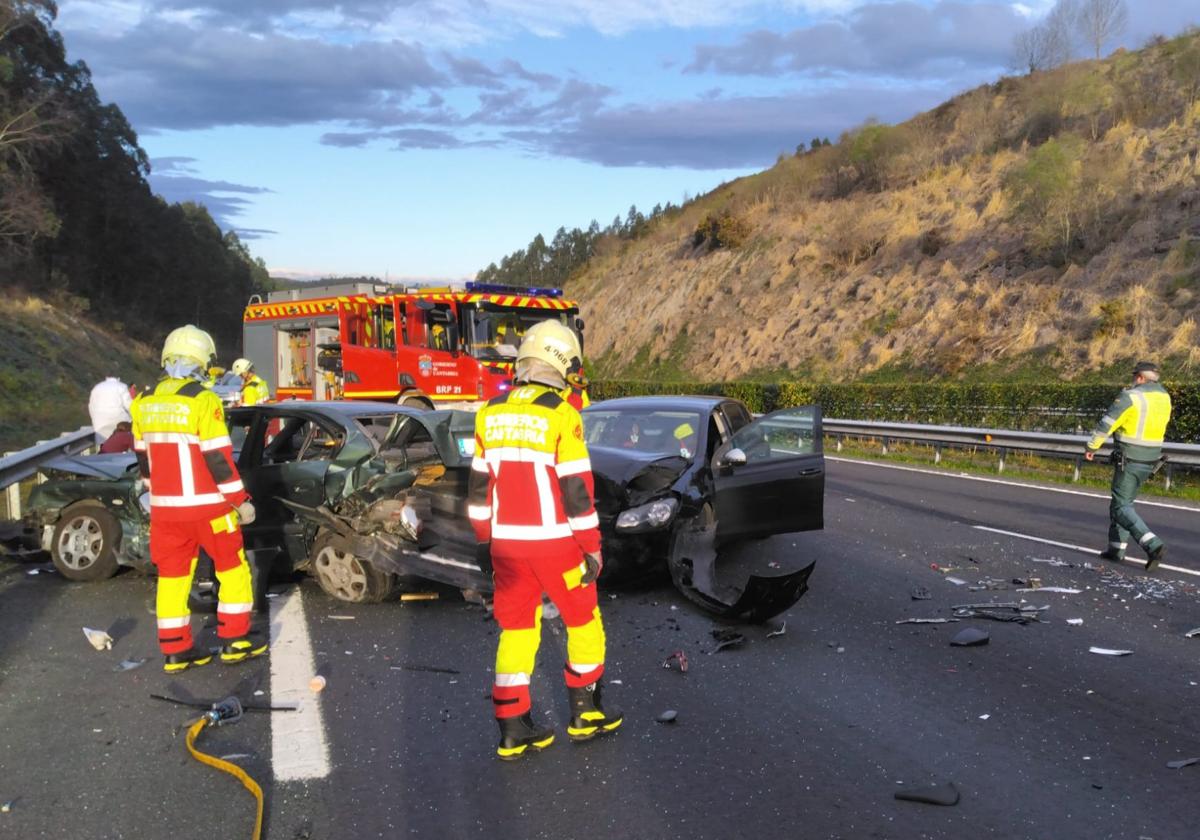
x=419, y=346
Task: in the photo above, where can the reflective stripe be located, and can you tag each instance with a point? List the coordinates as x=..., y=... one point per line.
x=531, y=533
x=479, y=512
x=582, y=523
x=1139, y=441
x=516, y=453
x=479, y=465
x=1140, y=401
x=1119, y=545
x=1149, y=536
x=231, y=486
x=172, y=623
x=582, y=669
x=139, y=446
x=234, y=609
x=1107, y=422
x=511, y=680
x=187, y=501
x=215, y=443
x=545, y=493
x=187, y=479
x=171, y=437
x=582, y=465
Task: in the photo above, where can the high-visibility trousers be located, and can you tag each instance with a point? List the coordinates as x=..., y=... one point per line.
x=174, y=549
x=520, y=581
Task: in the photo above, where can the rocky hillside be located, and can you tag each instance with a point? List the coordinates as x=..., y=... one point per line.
x=1046, y=225
x=51, y=357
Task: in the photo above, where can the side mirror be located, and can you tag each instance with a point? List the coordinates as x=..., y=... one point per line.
x=734, y=457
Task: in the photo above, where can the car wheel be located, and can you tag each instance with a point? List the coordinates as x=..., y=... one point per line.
x=84, y=544
x=345, y=576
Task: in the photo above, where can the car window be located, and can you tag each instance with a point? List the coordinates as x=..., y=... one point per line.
x=660, y=432
x=409, y=444
x=239, y=432
x=291, y=439
x=783, y=434
x=737, y=415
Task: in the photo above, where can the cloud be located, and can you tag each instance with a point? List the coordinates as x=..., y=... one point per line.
x=708, y=133
x=902, y=39
x=175, y=179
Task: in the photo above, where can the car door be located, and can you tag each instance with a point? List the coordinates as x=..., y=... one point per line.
x=770, y=477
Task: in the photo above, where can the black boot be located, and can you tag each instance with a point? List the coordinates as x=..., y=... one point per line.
x=517, y=734
x=1112, y=555
x=194, y=658
x=588, y=718
x=1154, y=556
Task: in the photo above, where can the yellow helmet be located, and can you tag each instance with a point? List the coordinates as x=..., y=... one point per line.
x=553, y=343
x=241, y=367
x=191, y=343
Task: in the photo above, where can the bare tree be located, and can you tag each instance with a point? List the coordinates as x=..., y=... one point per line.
x=1029, y=50
x=1050, y=43
x=1099, y=21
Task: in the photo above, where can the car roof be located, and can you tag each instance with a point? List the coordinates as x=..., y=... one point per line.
x=663, y=402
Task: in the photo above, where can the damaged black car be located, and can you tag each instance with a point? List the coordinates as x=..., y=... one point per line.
x=371, y=498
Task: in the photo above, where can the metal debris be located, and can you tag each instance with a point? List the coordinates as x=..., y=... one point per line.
x=668, y=716
x=727, y=639
x=1192, y=633
x=782, y=629
x=1183, y=762
x=341, y=617
x=98, y=639
x=428, y=669
x=1109, y=651
x=1065, y=590
x=7, y=807
x=1052, y=561
x=235, y=756
x=1075, y=621
x=926, y=620
x=989, y=583
x=1006, y=611
x=419, y=596
x=970, y=637
x=130, y=664
x=956, y=581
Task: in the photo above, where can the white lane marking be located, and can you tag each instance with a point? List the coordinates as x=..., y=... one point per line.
x=298, y=746
x=1074, y=547
x=1007, y=483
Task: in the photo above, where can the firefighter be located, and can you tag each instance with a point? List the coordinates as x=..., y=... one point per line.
x=197, y=501
x=438, y=339
x=254, y=389
x=530, y=500
x=1137, y=421
x=577, y=383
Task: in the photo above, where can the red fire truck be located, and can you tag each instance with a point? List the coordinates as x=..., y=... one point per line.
x=418, y=346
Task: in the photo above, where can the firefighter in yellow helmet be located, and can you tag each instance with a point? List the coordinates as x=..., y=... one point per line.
x=254, y=389
x=530, y=500
x=1137, y=421
x=197, y=501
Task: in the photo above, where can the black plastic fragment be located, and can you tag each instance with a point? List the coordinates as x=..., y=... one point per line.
x=727, y=639
x=969, y=637
x=920, y=593
x=944, y=794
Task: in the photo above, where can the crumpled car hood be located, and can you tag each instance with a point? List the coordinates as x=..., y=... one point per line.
x=627, y=478
x=111, y=465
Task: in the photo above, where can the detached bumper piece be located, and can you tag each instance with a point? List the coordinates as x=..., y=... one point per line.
x=692, y=562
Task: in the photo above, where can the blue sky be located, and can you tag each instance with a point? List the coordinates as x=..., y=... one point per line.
x=423, y=139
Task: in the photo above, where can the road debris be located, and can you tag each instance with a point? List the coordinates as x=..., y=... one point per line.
x=235, y=756
x=956, y=581
x=1007, y=611
x=341, y=617
x=1191, y=634
x=1075, y=621
x=926, y=620
x=1183, y=762
x=1109, y=651
x=919, y=593
x=130, y=664
x=944, y=794
x=7, y=807
x=984, y=717
x=782, y=629
x=419, y=596
x=989, y=583
x=668, y=716
x=1052, y=561
x=970, y=637
x=1064, y=590
x=727, y=639
x=678, y=657
x=317, y=684
x=428, y=669
x=98, y=639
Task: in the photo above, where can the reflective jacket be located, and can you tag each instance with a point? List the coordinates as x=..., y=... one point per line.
x=185, y=453
x=531, y=478
x=1137, y=421
x=254, y=390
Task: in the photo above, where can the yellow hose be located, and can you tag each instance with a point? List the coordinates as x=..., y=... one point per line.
x=231, y=769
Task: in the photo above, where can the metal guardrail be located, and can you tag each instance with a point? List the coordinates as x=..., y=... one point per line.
x=1001, y=440
x=15, y=467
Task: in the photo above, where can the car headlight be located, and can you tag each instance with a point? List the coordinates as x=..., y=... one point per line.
x=648, y=517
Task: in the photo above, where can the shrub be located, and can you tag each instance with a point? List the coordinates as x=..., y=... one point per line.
x=723, y=230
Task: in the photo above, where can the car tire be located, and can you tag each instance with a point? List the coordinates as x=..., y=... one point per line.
x=84, y=544
x=344, y=576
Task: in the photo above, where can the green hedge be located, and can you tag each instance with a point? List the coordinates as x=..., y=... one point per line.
x=1049, y=407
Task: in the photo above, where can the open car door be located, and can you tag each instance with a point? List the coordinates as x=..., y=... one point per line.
x=770, y=476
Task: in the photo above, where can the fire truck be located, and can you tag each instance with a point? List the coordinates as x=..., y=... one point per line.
x=427, y=347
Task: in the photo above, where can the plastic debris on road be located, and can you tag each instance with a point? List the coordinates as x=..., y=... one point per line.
x=1075, y=621
x=1006, y=611
x=98, y=639
x=926, y=620
x=1064, y=590
x=970, y=637
x=944, y=794
x=6, y=807
x=956, y=581
x=679, y=658
x=1052, y=561
x=919, y=593
x=317, y=684
x=1191, y=634
x=1183, y=762
x=727, y=639
x=1109, y=651
x=668, y=716
x=130, y=664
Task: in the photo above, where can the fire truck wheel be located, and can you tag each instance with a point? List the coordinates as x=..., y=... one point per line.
x=345, y=576
x=84, y=545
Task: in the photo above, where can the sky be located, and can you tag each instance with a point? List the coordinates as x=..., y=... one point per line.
x=423, y=139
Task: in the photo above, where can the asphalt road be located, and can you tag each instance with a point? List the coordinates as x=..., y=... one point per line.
x=805, y=734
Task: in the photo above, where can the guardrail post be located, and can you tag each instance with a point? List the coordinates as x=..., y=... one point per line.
x=937, y=454
x=838, y=440
x=1078, y=466
x=1000, y=466
x=1167, y=477
x=885, y=449
x=13, y=497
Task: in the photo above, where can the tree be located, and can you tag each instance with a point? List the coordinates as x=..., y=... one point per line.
x=1099, y=21
x=1046, y=192
x=1186, y=67
x=1049, y=44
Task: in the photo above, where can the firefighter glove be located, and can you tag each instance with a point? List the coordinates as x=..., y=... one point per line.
x=594, y=564
x=245, y=512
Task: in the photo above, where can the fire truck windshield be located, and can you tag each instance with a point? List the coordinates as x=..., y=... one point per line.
x=495, y=332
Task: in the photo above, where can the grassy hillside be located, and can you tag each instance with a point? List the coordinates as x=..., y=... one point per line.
x=1043, y=226
x=50, y=357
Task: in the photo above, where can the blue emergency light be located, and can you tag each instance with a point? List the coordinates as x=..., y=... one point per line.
x=500, y=289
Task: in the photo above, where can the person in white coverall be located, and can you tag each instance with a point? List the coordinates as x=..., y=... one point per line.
x=108, y=406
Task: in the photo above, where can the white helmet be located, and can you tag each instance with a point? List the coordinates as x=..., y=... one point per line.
x=553, y=343
x=241, y=366
x=190, y=343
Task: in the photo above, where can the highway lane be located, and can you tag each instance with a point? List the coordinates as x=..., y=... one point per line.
x=805, y=734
